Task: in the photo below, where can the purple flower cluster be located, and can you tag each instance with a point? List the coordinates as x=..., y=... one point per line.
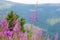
x=17, y=34
x=34, y=17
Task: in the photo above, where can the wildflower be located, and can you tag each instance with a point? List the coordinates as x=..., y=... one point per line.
x=25, y=35
x=15, y=35
x=5, y=34
x=4, y=24
x=56, y=36
x=17, y=27
x=1, y=33
x=22, y=38
x=39, y=32
x=34, y=17
x=35, y=38
x=15, y=21
x=9, y=33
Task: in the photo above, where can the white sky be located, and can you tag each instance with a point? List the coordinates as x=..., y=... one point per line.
x=34, y=1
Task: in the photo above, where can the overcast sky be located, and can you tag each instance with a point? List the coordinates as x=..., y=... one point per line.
x=34, y=1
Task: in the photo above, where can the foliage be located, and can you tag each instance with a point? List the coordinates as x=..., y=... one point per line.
x=22, y=22
x=11, y=17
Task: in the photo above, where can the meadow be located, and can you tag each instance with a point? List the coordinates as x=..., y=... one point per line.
x=12, y=28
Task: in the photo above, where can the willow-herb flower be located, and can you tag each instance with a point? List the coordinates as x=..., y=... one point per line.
x=34, y=17
x=39, y=32
x=4, y=24
x=9, y=33
x=56, y=36
x=17, y=27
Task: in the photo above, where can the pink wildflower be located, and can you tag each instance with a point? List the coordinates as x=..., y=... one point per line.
x=56, y=36
x=1, y=33
x=34, y=17
x=4, y=24
x=25, y=35
x=17, y=27
x=35, y=38
x=15, y=21
x=40, y=32
x=9, y=33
